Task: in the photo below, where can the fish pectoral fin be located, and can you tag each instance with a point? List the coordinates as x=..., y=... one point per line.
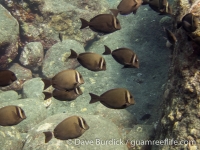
x=115, y=12
x=47, y=95
x=94, y=98
x=73, y=54
x=48, y=136
x=107, y=50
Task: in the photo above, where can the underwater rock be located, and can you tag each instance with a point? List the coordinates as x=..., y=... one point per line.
x=8, y=37
x=100, y=129
x=63, y=17
x=21, y=72
x=8, y=96
x=33, y=88
x=56, y=58
x=34, y=109
x=10, y=138
x=32, y=55
x=139, y=134
x=16, y=86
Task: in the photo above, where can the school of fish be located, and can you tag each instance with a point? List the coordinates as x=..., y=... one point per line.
x=67, y=83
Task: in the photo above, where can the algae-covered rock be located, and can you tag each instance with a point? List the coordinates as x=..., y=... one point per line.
x=8, y=96
x=56, y=58
x=8, y=37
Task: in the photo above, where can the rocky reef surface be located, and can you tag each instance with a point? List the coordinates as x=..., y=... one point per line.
x=181, y=106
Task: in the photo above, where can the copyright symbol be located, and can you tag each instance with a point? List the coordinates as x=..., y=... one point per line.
x=69, y=142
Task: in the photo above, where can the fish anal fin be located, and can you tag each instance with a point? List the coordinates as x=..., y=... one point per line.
x=84, y=22
x=47, y=83
x=115, y=12
x=48, y=136
x=94, y=98
x=107, y=50
x=73, y=54
x=47, y=95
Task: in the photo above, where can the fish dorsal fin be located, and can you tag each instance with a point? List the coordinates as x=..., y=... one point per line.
x=19, y=112
x=128, y=97
x=82, y=123
x=101, y=63
x=107, y=50
x=78, y=80
x=73, y=54
x=115, y=12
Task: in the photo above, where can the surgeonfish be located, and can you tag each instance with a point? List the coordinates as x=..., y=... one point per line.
x=70, y=128
x=145, y=117
x=11, y=115
x=126, y=7
x=65, y=80
x=89, y=60
x=189, y=23
x=7, y=77
x=64, y=95
x=170, y=37
x=123, y=56
x=118, y=98
x=103, y=23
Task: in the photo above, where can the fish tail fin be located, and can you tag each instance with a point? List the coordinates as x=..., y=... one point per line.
x=47, y=83
x=107, y=50
x=94, y=98
x=47, y=95
x=115, y=12
x=84, y=22
x=73, y=54
x=48, y=136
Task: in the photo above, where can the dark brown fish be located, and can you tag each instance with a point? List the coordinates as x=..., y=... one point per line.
x=126, y=7
x=64, y=95
x=70, y=128
x=160, y=6
x=11, y=115
x=65, y=80
x=189, y=22
x=145, y=117
x=123, y=56
x=171, y=37
x=118, y=98
x=7, y=77
x=103, y=23
x=89, y=60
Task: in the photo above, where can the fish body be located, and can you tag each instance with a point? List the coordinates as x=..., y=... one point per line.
x=103, y=23
x=64, y=95
x=145, y=117
x=70, y=128
x=190, y=22
x=126, y=7
x=7, y=77
x=89, y=60
x=118, y=98
x=65, y=80
x=160, y=6
x=11, y=115
x=124, y=56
